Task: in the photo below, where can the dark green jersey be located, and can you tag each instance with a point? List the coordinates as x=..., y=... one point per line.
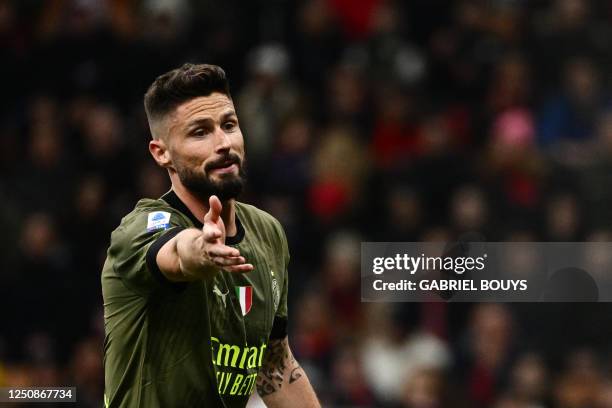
x=197, y=344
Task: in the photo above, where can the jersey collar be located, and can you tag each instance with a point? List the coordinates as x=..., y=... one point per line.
x=175, y=202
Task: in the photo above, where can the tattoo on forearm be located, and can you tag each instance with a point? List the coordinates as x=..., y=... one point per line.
x=296, y=374
x=279, y=367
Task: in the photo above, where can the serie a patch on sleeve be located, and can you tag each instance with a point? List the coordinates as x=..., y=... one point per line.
x=158, y=220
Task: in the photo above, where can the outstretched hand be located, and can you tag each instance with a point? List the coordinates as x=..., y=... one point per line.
x=213, y=232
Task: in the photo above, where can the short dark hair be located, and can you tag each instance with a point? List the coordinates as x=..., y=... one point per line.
x=189, y=81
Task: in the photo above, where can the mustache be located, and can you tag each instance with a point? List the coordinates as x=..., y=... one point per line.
x=223, y=161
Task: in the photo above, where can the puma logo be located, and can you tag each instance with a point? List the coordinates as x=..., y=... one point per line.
x=217, y=292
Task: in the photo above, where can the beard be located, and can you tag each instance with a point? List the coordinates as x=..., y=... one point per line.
x=228, y=186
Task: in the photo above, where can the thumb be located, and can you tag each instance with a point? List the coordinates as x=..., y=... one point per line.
x=214, y=210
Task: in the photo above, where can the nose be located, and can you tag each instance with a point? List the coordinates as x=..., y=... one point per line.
x=223, y=142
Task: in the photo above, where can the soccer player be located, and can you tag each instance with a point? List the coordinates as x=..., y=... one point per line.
x=195, y=282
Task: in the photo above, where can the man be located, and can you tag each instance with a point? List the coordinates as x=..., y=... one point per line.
x=195, y=283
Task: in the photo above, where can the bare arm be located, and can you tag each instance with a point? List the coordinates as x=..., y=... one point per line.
x=199, y=254
x=281, y=381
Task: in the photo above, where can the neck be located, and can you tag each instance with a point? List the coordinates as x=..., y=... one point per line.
x=199, y=207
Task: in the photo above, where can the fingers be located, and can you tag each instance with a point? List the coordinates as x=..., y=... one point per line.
x=211, y=230
x=222, y=251
x=228, y=258
x=214, y=210
x=228, y=261
x=244, y=268
x=222, y=256
x=239, y=267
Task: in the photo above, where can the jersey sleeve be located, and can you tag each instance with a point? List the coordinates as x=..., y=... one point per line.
x=279, y=327
x=134, y=247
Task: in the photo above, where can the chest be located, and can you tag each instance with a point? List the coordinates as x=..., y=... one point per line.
x=242, y=306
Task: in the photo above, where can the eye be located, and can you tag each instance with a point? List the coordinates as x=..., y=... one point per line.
x=199, y=132
x=229, y=126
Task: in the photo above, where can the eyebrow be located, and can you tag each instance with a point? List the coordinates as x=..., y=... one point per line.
x=207, y=119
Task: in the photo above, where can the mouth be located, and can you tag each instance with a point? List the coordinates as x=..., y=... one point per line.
x=228, y=166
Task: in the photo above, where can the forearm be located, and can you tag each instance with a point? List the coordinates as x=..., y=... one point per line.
x=282, y=382
x=182, y=259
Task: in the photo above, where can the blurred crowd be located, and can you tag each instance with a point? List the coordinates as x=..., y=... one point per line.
x=364, y=120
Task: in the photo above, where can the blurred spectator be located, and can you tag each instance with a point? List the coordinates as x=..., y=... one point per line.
x=290, y=170
x=392, y=354
x=604, y=399
x=313, y=338
x=47, y=161
x=350, y=385
x=569, y=117
x=514, y=160
x=86, y=371
x=574, y=391
x=340, y=275
x=529, y=380
x=315, y=45
x=347, y=89
x=426, y=389
x=390, y=56
x=266, y=100
x=510, y=86
x=339, y=168
x=45, y=260
x=403, y=215
x=596, y=171
x=487, y=350
x=395, y=137
x=563, y=218
x=469, y=209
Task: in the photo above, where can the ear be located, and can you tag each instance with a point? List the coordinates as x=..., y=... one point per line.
x=160, y=153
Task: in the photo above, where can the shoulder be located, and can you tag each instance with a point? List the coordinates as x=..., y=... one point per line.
x=155, y=210
x=149, y=216
x=131, y=255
